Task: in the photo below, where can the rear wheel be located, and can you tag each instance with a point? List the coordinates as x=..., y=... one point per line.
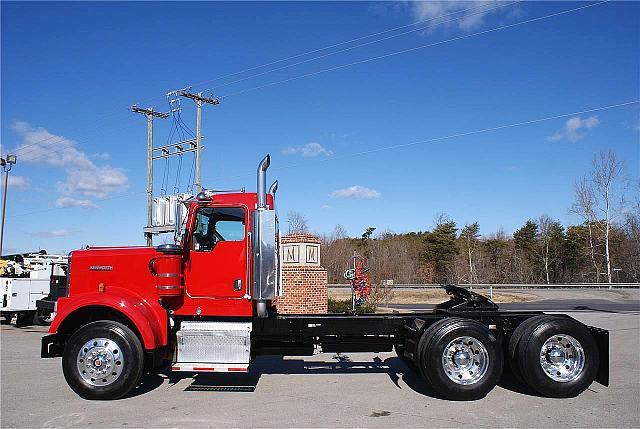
x=103, y=360
x=461, y=359
x=514, y=341
x=558, y=357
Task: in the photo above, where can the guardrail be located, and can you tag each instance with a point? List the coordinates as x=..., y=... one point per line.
x=504, y=286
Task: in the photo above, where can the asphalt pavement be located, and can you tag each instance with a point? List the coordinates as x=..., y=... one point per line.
x=326, y=390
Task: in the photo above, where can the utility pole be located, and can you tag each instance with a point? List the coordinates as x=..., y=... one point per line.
x=6, y=165
x=150, y=114
x=200, y=101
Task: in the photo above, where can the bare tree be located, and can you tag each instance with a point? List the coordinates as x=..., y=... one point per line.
x=632, y=227
x=544, y=225
x=469, y=237
x=337, y=250
x=550, y=237
x=607, y=172
x=584, y=206
x=297, y=223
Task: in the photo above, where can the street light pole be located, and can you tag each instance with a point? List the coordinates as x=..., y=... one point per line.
x=6, y=165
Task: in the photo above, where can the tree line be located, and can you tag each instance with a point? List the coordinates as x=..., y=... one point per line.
x=604, y=247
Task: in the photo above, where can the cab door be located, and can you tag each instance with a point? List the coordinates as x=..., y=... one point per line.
x=218, y=254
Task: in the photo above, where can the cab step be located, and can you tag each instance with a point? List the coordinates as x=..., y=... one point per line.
x=209, y=367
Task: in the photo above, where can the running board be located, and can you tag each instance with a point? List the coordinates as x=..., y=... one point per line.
x=209, y=367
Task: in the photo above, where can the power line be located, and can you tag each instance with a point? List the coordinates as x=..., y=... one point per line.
x=404, y=51
x=473, y=10
x=55, y=150
x=452, y=136
x=19, y=150
x=399, y=146
x=58, y=139
x=52, y=140
x=35, y=146
x=114, y=197
x=496, y=128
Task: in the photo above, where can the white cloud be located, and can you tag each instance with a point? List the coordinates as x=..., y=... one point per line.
x=83, y=177
x=98, y=182
x=325, y=207
x=101, y=156
x=50, y=234
x=39, y=146
x=356, y=192
x=635, y=126
x=73, y=202
x=462, y=15
x=309, y=150
x=19, y=182
x=572, y=128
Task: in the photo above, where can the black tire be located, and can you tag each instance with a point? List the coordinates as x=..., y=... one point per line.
x=426, y=337
x=41, y=319
x=399, y=348
x=24, y=318
x=438, y=336
x=514, y=341
x=528, y=355
x=129, y=347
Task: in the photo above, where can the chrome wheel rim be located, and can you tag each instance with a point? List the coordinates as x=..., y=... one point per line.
x=465, y=360
x=562, y=358
x=100, y=361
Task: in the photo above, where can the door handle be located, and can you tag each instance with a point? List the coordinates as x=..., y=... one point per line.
x=237, y=284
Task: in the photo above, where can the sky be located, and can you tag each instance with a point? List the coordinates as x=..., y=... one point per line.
x=378, y=131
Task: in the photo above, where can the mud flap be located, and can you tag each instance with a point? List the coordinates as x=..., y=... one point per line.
x=601, y=336
x=52, y=346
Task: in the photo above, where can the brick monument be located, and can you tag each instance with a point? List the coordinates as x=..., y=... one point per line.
x=304, y=281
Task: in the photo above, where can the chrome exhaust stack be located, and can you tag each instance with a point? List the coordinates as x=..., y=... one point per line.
x=265, y=275
x=262, y=182
x=272, y=190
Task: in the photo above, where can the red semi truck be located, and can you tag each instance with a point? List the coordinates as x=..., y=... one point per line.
x=208, y=305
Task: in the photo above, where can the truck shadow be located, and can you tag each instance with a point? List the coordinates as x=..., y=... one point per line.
x=247, y=382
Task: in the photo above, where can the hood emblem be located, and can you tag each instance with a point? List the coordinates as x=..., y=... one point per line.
x=100, y=268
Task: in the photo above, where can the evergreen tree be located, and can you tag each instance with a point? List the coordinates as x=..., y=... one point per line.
x=575, y=253
x=524, y=241
x=440, y=248
x=496, y=249
x=364, y=242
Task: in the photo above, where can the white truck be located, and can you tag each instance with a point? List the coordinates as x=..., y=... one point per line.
x=26, y=279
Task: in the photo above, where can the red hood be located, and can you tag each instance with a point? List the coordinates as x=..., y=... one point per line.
x=126, y=267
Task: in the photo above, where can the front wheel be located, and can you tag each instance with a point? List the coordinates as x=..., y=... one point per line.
x=103, y=360
x=461, y=359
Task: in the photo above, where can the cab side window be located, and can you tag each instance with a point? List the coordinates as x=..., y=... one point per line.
x=215, y=224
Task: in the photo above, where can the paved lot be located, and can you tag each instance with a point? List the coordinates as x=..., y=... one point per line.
x=358, y=390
